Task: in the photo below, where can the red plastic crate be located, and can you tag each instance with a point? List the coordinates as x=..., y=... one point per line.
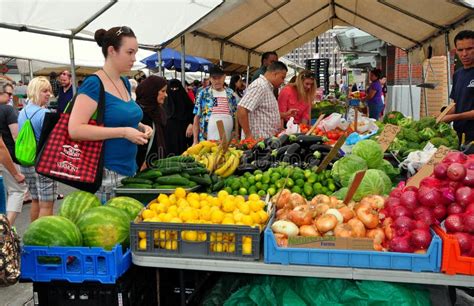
x=452, y=262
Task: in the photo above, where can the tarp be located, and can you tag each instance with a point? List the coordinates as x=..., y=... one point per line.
x=257, y=26
x=171, y=59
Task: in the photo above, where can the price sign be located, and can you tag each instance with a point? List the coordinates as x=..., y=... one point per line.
x=427, y=169
x=389, y=133
x=331, y=154
x=445, y=112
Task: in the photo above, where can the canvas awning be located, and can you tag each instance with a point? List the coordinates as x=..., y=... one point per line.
x=236, y=29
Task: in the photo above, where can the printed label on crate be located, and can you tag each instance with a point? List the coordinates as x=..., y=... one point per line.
x=331, y=243
x=428, y=168
x=387, y=136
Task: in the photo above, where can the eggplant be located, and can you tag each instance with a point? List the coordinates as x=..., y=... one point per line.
x=291, y=158
x=277, y=153
x=241, y=169
x=258, y=147
x=314, y=162
x=308, y=140
x=248, y=156
x=283, y=139
x=320, y=147
x=263, y=165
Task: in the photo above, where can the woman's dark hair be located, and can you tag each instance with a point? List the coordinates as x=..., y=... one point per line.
x=377, y=72
x=232, y=85
x=112, y=37
x=147, y=92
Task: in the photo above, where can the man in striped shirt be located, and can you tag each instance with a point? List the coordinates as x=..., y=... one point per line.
x=257, y=111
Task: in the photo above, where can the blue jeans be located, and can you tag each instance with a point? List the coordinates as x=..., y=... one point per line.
x=375, y=110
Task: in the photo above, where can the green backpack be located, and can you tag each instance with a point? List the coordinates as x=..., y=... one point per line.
x=25, y=145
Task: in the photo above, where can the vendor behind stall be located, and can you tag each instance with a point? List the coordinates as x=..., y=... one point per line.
x=463, y=88
x=374, y=96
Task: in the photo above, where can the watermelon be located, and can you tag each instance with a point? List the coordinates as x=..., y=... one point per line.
x=104, y=226
x=131, y=206
x=52, y=231
x=76, y=203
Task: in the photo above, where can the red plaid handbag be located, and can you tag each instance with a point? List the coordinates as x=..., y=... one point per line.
x=75, y=163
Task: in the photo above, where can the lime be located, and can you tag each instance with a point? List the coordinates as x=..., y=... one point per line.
x=257, y=172
x=266, y=178
x=285, y=172
x=261, y=193
x=298, y=176
x=251, y=180
x=299, y=182
x=324, y=190
x=259, y=185
x=290, y=183
x=280, y=183
x=312, y=178
x=296, y=189
x=228, y=189
x=247, y=174
x=265, y=187
x=243, y=191
x=275, y=177
x=271, y=191
x=332, y=187
x=269, y=171
x=258, y=177
x=245, y=184
x=235, y=185
x=252, y=189
x=327, y=174
x=308, y=189
x=235, y=193
x=307, y=173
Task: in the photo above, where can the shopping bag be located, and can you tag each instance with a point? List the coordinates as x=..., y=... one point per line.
x=77, y=163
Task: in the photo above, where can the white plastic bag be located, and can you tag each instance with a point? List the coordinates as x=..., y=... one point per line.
x=418, y=159
x=331, y=122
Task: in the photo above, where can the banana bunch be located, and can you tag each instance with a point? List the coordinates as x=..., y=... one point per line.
x=200, y=149
x=222, y=164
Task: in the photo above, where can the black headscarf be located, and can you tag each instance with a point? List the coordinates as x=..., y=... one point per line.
x=147, y=92
x=179, y=105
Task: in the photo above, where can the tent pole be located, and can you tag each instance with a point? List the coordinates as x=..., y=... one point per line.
x=73, y=65
x=183, y=54
x=221, y=54
x=409, y=83
x=160, y=69
x=30, y=66
x=248, y=71
x=448, y=64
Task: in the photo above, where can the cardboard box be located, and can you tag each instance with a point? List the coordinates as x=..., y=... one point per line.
x=331, y=243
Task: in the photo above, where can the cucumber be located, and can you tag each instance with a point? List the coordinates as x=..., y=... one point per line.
x=162, y=163
x=194, y=171
x=218, y=186
x=149, y=174
x=186, y=175
x=135, y=180
x=174, y=179
x=137, y=186
x=158, y=186
x=170, y=170
x=204, y=180
x=182, y=159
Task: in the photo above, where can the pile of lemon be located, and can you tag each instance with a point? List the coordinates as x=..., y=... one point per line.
x=203, y=208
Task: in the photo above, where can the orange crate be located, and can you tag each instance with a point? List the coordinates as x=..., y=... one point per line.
x=452, y=262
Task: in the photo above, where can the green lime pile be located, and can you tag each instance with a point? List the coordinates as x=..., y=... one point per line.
x=305, y=182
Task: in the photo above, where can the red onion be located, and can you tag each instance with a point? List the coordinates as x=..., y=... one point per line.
x=403, y=225
x=447, y=195
x=401, y=244
x=409, y=200
x=390, y=203
x=421, y=225
x=455, y=208
x=411, y=188
x=396, y=193
x=399, y=211
x=454, y=223
x=469, y=163
x=469, y=208
x=424, y=214
x=456, y=172
x=468, y=221
x=440, y=212
x=420, y=239
x=429, y=196
x=464, y=195
x=469, y=178
x=440, y=171
x=430, y=181
x=465, y=242
x=455, y=157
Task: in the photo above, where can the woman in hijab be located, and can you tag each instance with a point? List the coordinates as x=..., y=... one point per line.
x=151, y=95
x=179, y=110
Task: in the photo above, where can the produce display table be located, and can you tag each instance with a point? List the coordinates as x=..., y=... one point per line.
x=259, y=267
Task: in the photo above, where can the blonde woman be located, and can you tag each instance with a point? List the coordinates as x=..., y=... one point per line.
x=296, y=98
x=42, y=189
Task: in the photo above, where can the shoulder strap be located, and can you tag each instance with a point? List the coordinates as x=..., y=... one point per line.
x=99, y=113
x=152, y=138
x=26, y=114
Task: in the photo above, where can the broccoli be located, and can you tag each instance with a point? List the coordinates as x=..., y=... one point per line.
x=426, y=122
x=409, y=135
x=427, y=133
x=438, y=141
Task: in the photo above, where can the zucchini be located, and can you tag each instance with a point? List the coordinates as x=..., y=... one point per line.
x=218, y=186
x=135, y=180
x=149, y=174
x=137, y=186
x=158, y=186
x=195, y=170
x=204, y=180
x=181, y=159
x=170, y=170
x=162, y=163
x=174, y=179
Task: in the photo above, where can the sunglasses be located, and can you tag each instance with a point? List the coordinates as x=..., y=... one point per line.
x=123, y=30
x=309, y=75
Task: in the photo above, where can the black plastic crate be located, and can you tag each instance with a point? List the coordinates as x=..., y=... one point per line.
x=320, y=68
x=135, y=287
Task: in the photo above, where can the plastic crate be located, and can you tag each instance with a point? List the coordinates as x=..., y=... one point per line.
x=136, y=287
x=166, y=239
x=74, y=264
x=429, y=262
x=453, y=262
